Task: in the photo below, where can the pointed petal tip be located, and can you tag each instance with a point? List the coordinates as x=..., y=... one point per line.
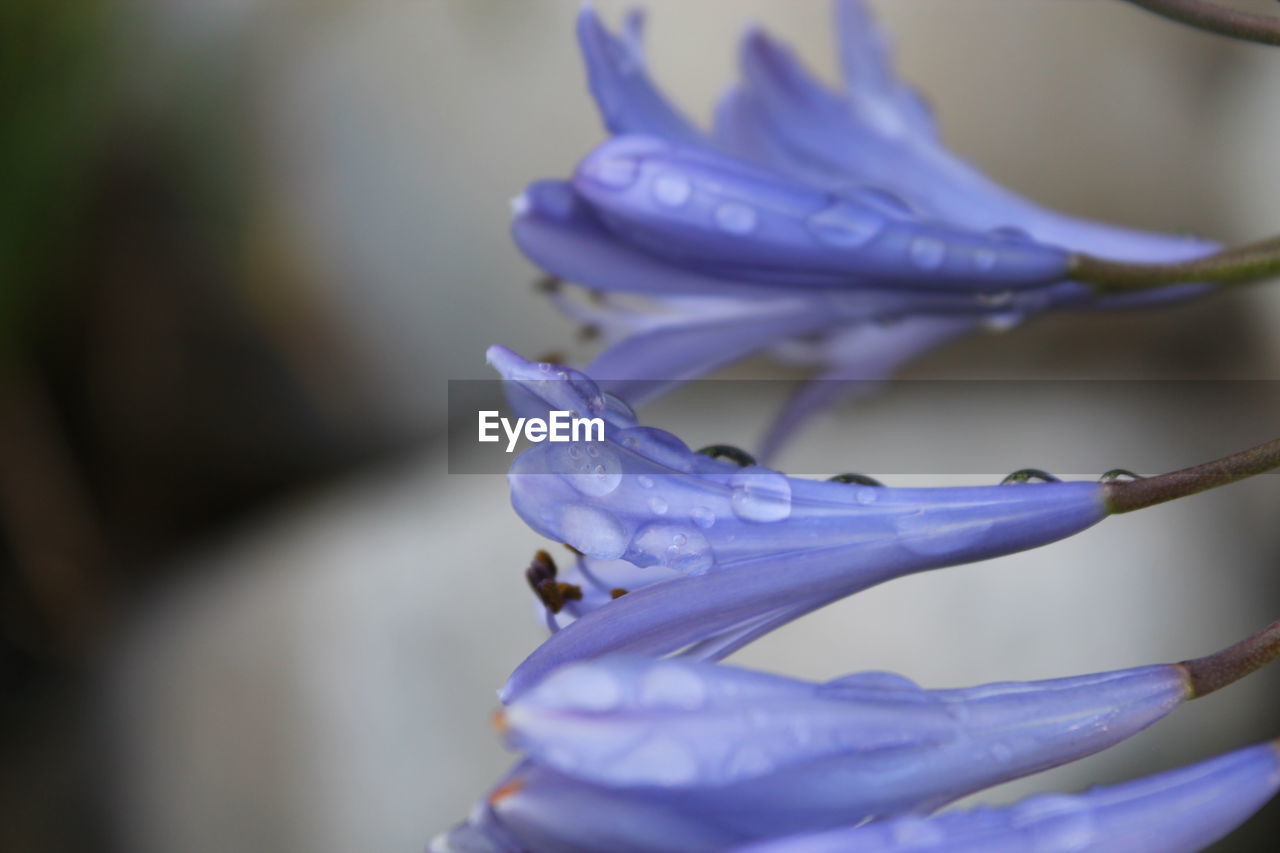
x=518, y=206
x=505, y=360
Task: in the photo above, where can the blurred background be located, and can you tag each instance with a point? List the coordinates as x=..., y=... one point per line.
x=245, y=243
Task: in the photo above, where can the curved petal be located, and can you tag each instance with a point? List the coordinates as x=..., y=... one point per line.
x=714, y=213
x=1180, y=811
x=627, y=98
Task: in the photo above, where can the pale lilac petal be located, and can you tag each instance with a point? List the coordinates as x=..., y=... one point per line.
x=1180, y=811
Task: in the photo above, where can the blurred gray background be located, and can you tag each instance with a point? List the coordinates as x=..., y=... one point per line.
x=246, y=605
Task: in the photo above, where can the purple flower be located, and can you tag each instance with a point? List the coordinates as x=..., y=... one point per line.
x=806, y=214
x=740, y=550
x=1180, y=811
x=630, y=753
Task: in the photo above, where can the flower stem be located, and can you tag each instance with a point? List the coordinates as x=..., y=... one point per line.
x=1213, y=18
x=1215, y=671
x=1246, y=263
x=1126, y=496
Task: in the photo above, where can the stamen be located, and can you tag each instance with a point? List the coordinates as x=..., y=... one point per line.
x=506, y=789
x=617, y=592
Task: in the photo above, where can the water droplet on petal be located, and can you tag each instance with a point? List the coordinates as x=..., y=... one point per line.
x=672, y=190
x=657, y=446
x=702, y=516
x=1055, y=823
x=672, y=686
x=645, y=482
x=1028, y=475
x=659, y=760
x=593, y=531
x=729, y=452
x=612, y=173
x=582, y=686
x=673, y=546
x=735, y=218
x=615, y=410
x=845, y=226
x=1011, y=234
x=985, y=259
x=1118, y=475
x=748, y=761
x=885, y=202
x=657, y=505
x=593, y=471
x=1000, y=753
x=760, y=495
x=928, y=253
x=858, y=479
x=912, y=831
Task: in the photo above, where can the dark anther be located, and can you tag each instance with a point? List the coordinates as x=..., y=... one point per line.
x=541, y=575
x=547, y=284
x=1026, y=475
x=617, y=593
x=728, y=451
x=1119, y=475
x=856, y=479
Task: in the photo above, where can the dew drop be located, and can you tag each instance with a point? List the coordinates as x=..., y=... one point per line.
x=727, y=451
x=1055, y=823
x=911, y=831
x=857, y=479
x=645, y=482
x=657, y=505
x=615, y=410
x=592, y=531
x=1000, y=753
x=595, y=472
x=1012, y=234
x=702, y=516
x=659, y=760
x=587, y=687
x=673, y=546
x=611, y=173
x=884, y=202
x=1028, y=475
x=735, y=218
x=1119, y=475
x=672, y=190
x=748, y=761
x=658, y=446
x=985, y=259
x=928, y=253
x=672, y=686
x=845, y=226
x=760, y=495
